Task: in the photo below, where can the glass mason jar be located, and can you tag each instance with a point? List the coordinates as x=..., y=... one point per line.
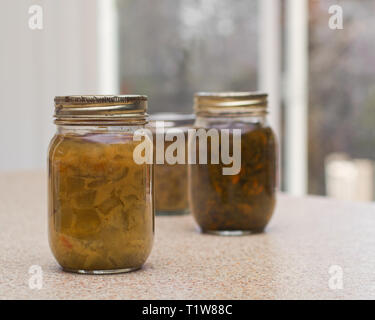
x=170, y=180
x=101, y=215
x=240, y=203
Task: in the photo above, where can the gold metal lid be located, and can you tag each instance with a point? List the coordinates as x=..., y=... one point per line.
x=100, y=109
x=229, y=103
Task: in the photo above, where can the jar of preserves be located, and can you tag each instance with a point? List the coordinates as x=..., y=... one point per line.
x=243, y=202
x=170, y=180
x=101, y=215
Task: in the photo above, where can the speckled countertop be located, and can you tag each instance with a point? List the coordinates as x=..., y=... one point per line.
x=292, y=260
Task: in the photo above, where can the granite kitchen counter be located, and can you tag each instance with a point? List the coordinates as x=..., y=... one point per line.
x=314, y=248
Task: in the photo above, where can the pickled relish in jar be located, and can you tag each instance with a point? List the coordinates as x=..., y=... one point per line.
x=100, y=201
x=244, y=202
x=171, y=180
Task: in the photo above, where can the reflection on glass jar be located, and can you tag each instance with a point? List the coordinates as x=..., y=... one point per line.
x=170, y=180
x=101, y=216
x=241, y=203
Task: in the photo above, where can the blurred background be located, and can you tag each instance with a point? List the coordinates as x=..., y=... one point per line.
x=320, y=78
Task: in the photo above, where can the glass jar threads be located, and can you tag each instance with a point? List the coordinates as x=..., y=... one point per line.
x=170, y=180
x=101, y=215
x=241, y=202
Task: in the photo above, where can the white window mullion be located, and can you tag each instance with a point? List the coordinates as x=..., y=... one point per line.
x=270, y=57
x=269, y=70
x=108, y=61
x=296, y=96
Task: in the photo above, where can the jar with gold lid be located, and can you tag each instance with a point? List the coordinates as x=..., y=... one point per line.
x=101, y=215
x=170, y=179
x=239, y=197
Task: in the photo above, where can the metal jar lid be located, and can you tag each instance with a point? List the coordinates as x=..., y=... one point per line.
x=171, y=119
x=227, y=103
x=100, y=108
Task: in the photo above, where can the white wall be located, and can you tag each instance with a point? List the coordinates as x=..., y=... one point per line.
x=36, y=65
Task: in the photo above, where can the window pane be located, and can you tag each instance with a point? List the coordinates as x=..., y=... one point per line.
x=342, y=100
x=170, y=49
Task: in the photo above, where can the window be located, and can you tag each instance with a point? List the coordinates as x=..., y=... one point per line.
x=342, y=101
x=171, y=49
